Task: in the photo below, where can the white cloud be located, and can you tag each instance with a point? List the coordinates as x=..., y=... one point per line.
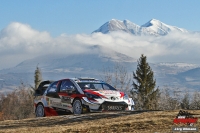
x=173, y=47
x=19, y=42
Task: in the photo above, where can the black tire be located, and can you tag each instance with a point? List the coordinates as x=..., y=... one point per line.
x=77, y=107
x=132, y=108
x=39, y=112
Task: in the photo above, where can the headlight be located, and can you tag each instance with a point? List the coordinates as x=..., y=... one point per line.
x=92, y=96
x=126, y=96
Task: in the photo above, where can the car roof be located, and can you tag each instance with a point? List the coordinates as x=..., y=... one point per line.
x=86, y=79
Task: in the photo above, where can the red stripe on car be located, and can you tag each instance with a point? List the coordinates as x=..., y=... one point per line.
x=122, y=94
x=94, y=93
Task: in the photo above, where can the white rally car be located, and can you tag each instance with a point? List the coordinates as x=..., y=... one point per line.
x=78, y=95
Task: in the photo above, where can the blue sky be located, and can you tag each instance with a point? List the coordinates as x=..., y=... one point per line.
x=78, y=16
x=29, y=27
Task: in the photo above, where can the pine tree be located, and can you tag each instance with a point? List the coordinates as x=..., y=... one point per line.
x=144, y=92
x=38, y=77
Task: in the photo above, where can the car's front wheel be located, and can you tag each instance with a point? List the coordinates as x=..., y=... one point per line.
x=77, y=107
x=39, y=111
x=132, y=108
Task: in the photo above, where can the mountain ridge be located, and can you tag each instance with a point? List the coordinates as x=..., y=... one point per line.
x=152, y=27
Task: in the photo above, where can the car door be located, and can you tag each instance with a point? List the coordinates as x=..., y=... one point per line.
x=67, y=91
x=52, y=97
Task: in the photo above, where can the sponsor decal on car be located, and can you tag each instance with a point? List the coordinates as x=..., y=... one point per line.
x=66, y=99
x=67, y=106
x=48, y=101
x=107, y=92
x=115, y=107
x=58, y=104
x=114, y=98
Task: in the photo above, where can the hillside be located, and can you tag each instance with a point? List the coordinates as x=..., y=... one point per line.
x=136, y=121
x=58, y=66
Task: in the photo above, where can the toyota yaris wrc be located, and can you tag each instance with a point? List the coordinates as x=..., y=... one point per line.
x=78, y=95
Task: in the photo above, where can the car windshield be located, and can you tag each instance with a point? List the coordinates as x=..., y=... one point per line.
x=96, y=86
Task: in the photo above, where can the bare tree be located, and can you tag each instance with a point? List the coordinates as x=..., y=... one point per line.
x=169, y=101
x=185, y=102
x=195, y=102
x=118, y=77
x=107, y=75
x=17, y=104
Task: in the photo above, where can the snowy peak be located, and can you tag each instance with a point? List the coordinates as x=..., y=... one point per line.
x=116, y=25
x=160, y=28
x=112, y=25
x=153, y=22
x=156, y=27
x=132, y=27
x=152, y=27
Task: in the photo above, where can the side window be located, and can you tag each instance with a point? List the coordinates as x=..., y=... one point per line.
x=84, y=86
x=108, y=87
x=66, y=84
x=53, y=87
x=98, y=86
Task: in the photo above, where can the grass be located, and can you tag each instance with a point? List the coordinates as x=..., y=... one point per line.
x=130, y=122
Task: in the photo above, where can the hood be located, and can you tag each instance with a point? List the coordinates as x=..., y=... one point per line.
x=106, y=93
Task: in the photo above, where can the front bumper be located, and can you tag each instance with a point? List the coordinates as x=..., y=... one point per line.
x=114, y=106
x=105, y=106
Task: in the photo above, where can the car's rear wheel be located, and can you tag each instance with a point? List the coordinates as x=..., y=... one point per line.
x=39, y=111
x=77, y=107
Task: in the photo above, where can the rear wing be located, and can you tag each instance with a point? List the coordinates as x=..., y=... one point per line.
x=42, y=87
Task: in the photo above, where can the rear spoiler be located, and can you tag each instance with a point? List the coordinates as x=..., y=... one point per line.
x=42, y=87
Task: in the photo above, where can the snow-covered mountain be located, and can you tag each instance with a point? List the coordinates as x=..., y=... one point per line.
x=152, y=27
x=96, y=57
x=58, y=66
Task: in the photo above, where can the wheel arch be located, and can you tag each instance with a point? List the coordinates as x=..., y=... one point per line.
x=38, y=104
x=77, y=98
